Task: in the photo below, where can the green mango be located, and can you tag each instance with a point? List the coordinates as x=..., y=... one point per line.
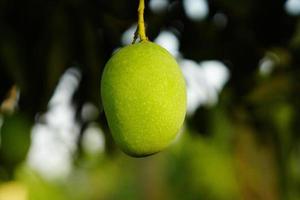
x=15, y=139
x=144, y=98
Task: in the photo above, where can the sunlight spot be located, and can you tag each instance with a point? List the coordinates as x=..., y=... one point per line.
x=48, y=154
x=128, y=35
x=89, y=112
x=196, y=9
x=292, y=7
x=158, y=6
x=268, y=63
x=169, y=41
x=204, y=82
x=196, y=85
x=216, y=73
x=66, y=87
x=266, y=66
x=54, y=141
x=93, y=141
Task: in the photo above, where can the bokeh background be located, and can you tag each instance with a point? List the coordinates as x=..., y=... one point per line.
x=240, y=139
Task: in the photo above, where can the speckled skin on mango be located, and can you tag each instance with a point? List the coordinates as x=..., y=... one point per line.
x=144, y=98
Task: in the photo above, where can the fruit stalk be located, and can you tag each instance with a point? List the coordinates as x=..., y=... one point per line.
x=141, y=30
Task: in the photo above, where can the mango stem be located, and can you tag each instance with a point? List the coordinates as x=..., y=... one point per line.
x=141, y=30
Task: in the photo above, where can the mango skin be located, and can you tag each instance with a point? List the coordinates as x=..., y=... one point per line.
x=144, y=98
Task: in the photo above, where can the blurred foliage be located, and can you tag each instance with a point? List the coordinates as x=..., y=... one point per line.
x=15, y=141
x=245, y=147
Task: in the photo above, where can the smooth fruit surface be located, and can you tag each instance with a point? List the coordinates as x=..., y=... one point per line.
x=144, y=98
